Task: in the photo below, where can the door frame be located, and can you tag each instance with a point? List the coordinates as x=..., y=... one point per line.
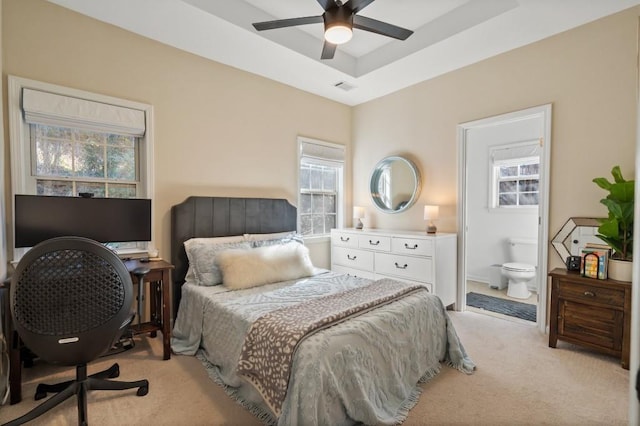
x=543, y=111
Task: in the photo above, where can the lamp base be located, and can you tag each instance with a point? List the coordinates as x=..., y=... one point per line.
x=431, y=229
x=359, y=224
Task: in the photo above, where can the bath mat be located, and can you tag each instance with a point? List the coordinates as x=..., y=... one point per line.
x=511, y=308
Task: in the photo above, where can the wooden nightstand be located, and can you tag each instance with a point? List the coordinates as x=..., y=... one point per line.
x=159, y=281
x=591, y=313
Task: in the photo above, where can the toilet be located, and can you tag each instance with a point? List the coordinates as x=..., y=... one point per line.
x=521, y=269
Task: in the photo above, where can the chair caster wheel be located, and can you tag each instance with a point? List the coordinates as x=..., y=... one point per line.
x=143, y=390
x=114, y=371
x=39, y=394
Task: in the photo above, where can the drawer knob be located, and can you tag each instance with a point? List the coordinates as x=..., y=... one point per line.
x=351, y=257
x=344, y=240
x=401, y=267
x=374, y=244
x=408, y=247
x=589, y=294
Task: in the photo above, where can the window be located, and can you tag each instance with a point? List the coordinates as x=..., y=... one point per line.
x=70, y=161
x=517, y=183
x=515, y=175
x=66, y=141
x=320, y=200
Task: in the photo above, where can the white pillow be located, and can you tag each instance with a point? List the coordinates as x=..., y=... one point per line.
x=264, y=265
x=202, y=253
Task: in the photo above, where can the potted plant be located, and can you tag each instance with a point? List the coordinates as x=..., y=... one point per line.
x=617, y=229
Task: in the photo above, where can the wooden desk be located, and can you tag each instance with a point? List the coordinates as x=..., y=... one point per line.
x=159, y=281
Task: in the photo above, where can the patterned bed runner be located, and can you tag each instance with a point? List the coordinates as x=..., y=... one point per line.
x=268, y=349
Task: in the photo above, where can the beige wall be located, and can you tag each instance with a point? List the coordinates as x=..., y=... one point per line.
x=588, y=74
x=222, y=131
x=218, y=131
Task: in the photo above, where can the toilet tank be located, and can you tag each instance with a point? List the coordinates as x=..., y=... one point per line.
x=523, y=250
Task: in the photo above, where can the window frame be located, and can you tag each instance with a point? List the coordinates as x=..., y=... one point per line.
x=340, y=185
x=22, y=180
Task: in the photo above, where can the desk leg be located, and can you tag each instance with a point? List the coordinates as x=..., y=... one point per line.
x=15, y=368
x=153, y=306
x=165, y=290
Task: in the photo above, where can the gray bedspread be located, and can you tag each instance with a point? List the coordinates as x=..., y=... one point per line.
x=363, y=370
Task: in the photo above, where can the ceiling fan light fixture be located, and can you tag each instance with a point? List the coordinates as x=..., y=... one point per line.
x=339, y=33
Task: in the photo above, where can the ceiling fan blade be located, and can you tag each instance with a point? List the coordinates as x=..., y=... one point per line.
x=327, y=4
x=282, y=23
x=379, y=27
x=328, y=50
x=357, y=5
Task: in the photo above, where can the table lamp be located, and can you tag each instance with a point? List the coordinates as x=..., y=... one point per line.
x=358, y=213
x=431, y=214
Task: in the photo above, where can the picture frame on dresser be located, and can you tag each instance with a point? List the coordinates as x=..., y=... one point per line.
x=411, y=256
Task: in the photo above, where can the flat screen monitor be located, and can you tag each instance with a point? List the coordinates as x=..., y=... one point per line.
x=38, y=218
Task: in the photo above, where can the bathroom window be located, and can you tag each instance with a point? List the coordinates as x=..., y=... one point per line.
x=516, y=183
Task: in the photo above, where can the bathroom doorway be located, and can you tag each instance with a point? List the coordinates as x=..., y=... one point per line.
x=503, y=198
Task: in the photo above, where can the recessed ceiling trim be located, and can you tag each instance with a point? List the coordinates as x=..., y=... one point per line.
x=182, y=25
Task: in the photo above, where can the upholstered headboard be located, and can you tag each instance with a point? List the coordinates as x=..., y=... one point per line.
x=220, y=217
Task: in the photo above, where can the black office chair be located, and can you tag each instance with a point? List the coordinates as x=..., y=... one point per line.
x=71, y=299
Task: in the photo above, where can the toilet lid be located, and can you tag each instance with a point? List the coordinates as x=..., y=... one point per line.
x=523, y=267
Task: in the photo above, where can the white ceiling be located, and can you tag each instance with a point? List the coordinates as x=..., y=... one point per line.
x=448, y=34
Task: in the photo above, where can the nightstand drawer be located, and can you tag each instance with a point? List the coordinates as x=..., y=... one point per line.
x=352, y=258
x=374, y=242
x=412, y=246
x=592, y=294
x=413, y=268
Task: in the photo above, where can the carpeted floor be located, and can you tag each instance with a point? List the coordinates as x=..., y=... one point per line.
x=520, y=381
x=511, y=308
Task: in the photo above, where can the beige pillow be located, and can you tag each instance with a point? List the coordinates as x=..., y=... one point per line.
x=264, y=265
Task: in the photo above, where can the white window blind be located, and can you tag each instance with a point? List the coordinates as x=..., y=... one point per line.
x=315, y=152
x=66, y=111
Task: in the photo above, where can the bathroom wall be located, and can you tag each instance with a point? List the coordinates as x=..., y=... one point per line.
x=489, y=229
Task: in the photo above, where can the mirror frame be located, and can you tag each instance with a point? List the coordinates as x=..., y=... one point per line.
x=375, y=178
x=559, y=241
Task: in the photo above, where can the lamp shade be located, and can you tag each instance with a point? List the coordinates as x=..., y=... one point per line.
x=431, y=212
x=358, y=212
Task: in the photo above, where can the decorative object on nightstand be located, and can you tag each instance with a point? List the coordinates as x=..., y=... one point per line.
x=617, y=229
x=431, y=214
x=358, y=213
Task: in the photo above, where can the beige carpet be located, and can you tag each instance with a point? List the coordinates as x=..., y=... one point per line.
x=519, y=381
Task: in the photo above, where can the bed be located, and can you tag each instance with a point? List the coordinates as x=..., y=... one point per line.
x=359, y=363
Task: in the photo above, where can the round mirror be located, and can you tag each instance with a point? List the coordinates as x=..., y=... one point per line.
x=394, y=184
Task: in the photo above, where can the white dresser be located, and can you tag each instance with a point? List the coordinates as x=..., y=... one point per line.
x=410, y=256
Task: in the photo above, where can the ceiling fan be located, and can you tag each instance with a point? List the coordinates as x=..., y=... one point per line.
x=339, y=21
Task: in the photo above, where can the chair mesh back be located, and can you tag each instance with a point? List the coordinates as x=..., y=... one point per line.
x=67, y=292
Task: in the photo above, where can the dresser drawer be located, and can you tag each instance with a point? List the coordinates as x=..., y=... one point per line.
x=353, y=258
x=413, y=268
x=374, y=242
x=406, y=280
x=412, y=246
x=591, y=294
x=343, y=239
x=353, y=272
